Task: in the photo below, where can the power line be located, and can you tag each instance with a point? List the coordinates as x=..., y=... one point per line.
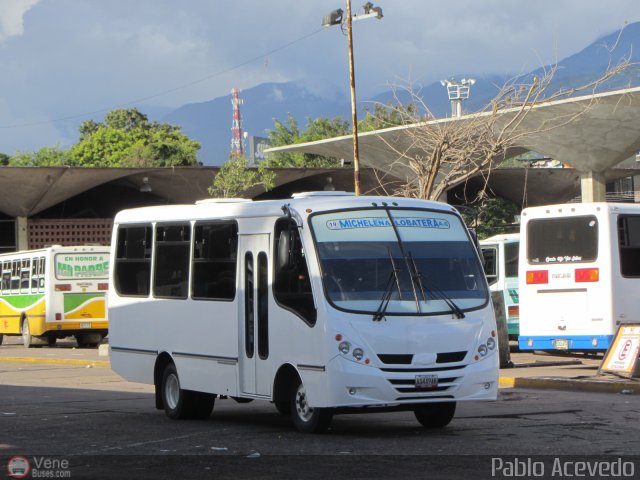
x=165, y=92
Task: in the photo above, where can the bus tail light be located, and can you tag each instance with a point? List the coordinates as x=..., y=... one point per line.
x=103, y=286
x=537, y=276
x=513, y=311
x=587, y=274
x=58, y=316
x=63, y=287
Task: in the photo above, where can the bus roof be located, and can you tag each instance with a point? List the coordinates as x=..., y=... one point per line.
x=580, y=209
x=61, y=249
x=303, y=203
x=501, y=238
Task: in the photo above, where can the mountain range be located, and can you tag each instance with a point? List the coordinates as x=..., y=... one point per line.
x=210, y=122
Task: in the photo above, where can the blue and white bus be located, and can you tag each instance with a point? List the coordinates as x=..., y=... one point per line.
x=579, y=274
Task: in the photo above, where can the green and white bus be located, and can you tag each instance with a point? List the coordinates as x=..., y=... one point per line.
x=53, y=293
x=500, y=256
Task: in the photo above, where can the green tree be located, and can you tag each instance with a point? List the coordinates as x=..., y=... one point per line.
x=44, y=157
x=235, y=177
x=126, y=119
x=4, y=159
x=493, y=215
x=385, y=116
x=289, y=133
x=128, y=139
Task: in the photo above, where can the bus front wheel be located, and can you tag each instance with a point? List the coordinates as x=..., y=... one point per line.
x=183, y=404
x=26, y=333
x=435, y=415
x=306, y=418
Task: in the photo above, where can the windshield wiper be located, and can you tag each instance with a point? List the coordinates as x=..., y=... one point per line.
x=388, y=290
x=418, y=277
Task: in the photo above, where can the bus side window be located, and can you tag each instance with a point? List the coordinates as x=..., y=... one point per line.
x=171, y=271
x=511, y=258
x=34, y=275
x=133, y=260
x=490, y=256
x=41, y=273
x=215, y=251
x=15, y=276
x=629, y=241
x=25, y=275
x=6, y=277
x=291, y=284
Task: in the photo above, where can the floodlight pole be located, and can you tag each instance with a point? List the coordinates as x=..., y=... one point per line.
x=354, y=112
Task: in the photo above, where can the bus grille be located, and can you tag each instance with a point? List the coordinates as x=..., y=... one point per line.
x=403, y=381
x=406, y=359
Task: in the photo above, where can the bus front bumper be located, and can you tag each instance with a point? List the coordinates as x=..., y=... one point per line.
x=356, y=385
x=565, y=343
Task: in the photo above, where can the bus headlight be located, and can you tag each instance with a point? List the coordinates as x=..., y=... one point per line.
x=482, y=350
x=491, y=343
x=358, y=353
x=344, y=347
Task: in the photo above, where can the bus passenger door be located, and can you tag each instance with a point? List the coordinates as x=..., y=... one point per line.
x=255, y=376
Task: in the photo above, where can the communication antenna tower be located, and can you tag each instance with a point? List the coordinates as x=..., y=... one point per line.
x=237, y=147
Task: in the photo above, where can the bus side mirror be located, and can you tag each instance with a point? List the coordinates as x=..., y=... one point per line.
x=283, y=262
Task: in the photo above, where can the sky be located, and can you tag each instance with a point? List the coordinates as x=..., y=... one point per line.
x=64, y=61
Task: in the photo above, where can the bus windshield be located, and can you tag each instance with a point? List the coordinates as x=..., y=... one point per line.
x=421, y=262
x=76, y=266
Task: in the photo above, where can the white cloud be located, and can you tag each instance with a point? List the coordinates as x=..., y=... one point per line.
x=12, y=17
x=277, y=95
x=92, y=56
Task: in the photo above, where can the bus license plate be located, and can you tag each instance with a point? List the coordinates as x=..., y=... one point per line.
x=85, y=325
x=426, y=381
x=562, y=344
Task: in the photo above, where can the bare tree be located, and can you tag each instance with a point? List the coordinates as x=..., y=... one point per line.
x=444, y=153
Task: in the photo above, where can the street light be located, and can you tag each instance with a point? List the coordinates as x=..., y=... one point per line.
x=336, y=17
x=457, y=93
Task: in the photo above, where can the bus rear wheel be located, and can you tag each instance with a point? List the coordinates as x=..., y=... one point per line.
x=435, y=415
x=90, y=340
x=183, y=404
x=306, y=418
x=26, y=333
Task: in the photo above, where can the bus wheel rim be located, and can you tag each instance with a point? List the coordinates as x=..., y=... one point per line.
x=172, y=391
x=305, y=412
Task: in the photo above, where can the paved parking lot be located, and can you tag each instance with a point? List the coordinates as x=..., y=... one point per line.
x=64, y=403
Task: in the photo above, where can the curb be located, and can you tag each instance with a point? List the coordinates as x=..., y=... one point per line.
x=572, y=384
x=59, y=361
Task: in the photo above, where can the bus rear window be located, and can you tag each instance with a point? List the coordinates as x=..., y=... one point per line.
x=562, y=240
x=80, y=265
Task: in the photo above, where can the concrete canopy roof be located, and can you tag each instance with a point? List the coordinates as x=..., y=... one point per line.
x=605, y=132
x=27, y=191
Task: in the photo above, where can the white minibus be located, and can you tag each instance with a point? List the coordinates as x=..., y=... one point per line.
x=579, y=274
x=322, y=303
x=500, y=259
x=53, y=293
